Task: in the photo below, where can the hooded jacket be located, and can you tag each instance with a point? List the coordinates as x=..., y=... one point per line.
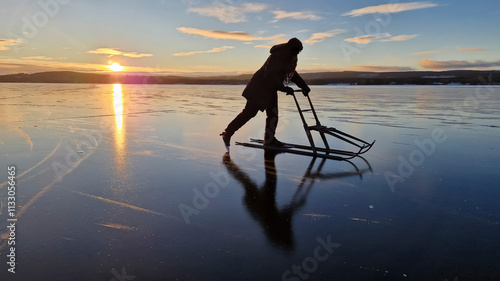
x=278, y=70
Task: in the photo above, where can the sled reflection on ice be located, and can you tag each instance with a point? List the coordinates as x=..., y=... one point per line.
x=261, y=203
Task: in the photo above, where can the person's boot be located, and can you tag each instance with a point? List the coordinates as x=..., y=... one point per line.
x=271, y=124
x=226, y=137
x=274, y=142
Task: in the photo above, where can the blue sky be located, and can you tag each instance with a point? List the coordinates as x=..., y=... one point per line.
x=230, y=37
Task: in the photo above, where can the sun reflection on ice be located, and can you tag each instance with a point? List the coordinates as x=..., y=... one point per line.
x=119, y=134
x=118, y=105
x=120, y=143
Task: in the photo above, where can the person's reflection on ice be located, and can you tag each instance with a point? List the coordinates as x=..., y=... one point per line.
x=260, y=202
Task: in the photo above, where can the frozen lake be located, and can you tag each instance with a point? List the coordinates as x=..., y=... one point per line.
x=116, y=182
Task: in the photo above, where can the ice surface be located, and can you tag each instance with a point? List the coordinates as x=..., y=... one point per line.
x=122, y=181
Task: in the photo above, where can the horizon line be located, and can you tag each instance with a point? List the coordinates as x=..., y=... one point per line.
x=237, y=73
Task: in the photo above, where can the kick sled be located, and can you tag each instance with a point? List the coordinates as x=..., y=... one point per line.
x=360, y=146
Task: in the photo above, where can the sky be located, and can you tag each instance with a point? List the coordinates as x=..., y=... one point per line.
x=190, y=37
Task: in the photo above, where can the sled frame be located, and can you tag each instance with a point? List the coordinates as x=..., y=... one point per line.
x=312, y=150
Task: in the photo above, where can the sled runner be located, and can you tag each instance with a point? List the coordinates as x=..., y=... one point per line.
x=360, y=145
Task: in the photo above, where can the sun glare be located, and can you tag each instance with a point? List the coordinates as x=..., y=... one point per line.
x=115, y=67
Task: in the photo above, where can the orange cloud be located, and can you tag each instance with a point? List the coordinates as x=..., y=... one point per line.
x=365, y=39
x=308, y=15
x=229, y=13
x=5, y=44
x=35, y=65
x=233, y=35
x=318, y=37
x=264, y=46
x=382, y=37
x=470, y=49
x=431, y=52
x=37, y=58
x=114, y=52
x=390, y=8
x=400, y=38
x=214, y=50
x=381, y=68
x=458, y=49
x=455, y=64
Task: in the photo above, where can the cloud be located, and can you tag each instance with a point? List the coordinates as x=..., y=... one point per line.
x=365, y=39
x=390, y=8
x=37, y=58
x=321, y=69
x=381, y=68
x=33, y=65
x=431, y=52
x=28, y=64
x=264, y=46
x=5, y=44
x=207, y=67
x=254, y=7
x=233, y=35
x=307, y=15
x=318, y=37
x=457, y=49
x=455, y=64
x=382, y=37
x=114, y=52
x=214, y=50
x=400, y=38
x=229, y=13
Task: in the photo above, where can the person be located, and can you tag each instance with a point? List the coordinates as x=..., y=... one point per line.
x=261, y=92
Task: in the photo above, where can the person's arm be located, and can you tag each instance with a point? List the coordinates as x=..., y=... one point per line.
x=300, y=83
x=273, y=73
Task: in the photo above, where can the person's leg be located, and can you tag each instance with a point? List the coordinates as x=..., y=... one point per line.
x=241, y=119
x=271, y=122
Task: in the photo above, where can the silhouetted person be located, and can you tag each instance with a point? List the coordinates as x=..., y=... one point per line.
x=261, y=91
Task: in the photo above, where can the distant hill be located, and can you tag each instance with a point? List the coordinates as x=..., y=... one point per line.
x=320, y=78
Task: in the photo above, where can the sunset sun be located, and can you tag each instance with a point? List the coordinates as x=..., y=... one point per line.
x=115, y=67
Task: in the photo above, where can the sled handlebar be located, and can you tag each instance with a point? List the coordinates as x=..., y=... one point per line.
x=300, y=110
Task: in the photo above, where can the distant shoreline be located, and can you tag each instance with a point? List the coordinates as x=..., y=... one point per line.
x=452, y=77
x=243, y=84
